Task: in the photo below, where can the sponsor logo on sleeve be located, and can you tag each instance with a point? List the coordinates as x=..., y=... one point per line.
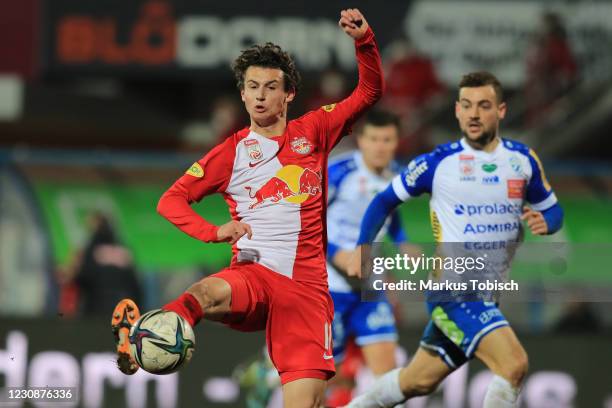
x=195, y=170
x=414, y=172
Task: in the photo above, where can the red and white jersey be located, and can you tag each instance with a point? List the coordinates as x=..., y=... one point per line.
x=277, y=185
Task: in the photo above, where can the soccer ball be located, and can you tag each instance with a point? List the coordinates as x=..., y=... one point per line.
x=161, y=341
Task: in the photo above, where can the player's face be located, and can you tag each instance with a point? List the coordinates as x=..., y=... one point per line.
x=264, y=94
x=378, y=145
x=479, y=113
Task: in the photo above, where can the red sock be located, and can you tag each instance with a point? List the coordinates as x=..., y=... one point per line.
x=188, y=307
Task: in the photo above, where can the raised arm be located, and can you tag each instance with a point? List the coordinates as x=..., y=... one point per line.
x=338, y=118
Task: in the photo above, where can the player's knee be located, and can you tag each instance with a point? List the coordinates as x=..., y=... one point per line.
x=515, y=369
x=211, y=294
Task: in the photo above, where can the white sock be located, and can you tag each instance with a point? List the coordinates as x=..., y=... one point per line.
x=500, y=394
x=384, y=393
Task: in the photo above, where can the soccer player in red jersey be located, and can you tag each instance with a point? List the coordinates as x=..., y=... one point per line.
x=273, y=176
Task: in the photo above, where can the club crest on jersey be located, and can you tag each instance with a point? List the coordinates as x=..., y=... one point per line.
x=301, y=145
x=466, y=167
x=253, y=149
x=515, y=163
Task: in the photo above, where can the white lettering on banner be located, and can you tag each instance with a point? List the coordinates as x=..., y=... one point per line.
x=96, y=373
x=99, y=371
x=209, y=42
x=221, y=390
x=61, y=369
x=478, y=388
x=474, y=35
x=13, y=360
x=455, y=388
x=54, y=369
x=166, y=389
x=546, y=384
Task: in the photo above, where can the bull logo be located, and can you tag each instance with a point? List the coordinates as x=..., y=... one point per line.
x=301, y=145
x=291, y=183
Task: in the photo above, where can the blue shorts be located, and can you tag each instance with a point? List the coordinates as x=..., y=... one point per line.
x=368, y=322
x=456, y=328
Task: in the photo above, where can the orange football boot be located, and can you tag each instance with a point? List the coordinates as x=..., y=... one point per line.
x=126, y=313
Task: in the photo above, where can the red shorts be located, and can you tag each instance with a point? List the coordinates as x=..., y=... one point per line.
x=297, y=318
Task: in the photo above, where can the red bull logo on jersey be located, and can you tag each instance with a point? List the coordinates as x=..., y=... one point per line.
x=301, y=145
x=291, y=183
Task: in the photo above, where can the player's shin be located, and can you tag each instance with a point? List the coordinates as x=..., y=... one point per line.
x=384, y=393
x=188, y=307
x=501, y=394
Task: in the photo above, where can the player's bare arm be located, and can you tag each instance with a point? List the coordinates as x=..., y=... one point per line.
x=535, y=221
x=354, y=267
x=342, y=259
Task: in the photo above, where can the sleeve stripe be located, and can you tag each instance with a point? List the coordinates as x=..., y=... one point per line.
x=546, y=203
x=542, y=174
x=399, y=189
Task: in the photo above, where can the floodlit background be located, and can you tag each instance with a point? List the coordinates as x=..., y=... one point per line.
x=104, y=103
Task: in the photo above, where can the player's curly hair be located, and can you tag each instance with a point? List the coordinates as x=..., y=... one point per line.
x=268, y=55
x=483, y=78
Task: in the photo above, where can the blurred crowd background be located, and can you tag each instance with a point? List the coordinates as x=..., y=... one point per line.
x=103, y=104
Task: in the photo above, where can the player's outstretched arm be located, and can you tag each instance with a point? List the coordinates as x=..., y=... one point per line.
x=371, y=82
x=338, y=118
